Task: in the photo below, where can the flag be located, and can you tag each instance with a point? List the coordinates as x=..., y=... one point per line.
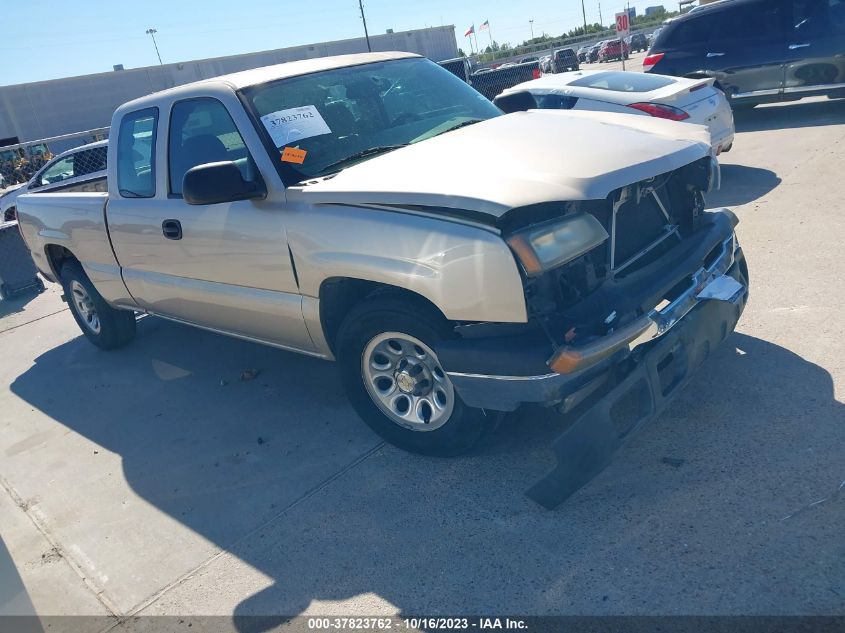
x=484, y=25
x=470, y=31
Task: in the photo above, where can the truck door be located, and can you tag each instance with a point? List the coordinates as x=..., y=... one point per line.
x=222, y=266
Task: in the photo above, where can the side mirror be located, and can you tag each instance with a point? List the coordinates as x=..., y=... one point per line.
x=213, y=183
x=516, y=102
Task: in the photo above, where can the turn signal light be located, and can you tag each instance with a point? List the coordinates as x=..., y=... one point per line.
x=660, y=111
x=651, y=60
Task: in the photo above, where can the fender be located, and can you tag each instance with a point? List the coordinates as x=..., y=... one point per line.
x=468, y=272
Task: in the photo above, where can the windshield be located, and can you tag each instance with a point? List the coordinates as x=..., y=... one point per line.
x=324, y=121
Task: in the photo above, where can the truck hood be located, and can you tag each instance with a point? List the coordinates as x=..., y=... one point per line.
x=516, y=160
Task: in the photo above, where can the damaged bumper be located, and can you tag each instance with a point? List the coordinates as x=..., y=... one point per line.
x=661, y=371
x=718, y=277
x=627, y=377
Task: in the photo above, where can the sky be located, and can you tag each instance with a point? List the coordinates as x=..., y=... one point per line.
x=50, y=39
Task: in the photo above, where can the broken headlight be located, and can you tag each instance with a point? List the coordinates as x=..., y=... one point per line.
x=551, y=244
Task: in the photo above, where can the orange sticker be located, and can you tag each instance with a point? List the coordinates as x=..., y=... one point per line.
x=293, y=155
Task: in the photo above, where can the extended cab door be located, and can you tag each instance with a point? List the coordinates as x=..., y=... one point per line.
x=222, y=266
x=816, y=48
x=746, y=51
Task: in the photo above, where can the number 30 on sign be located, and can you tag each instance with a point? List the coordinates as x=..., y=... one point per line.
x=622, y=24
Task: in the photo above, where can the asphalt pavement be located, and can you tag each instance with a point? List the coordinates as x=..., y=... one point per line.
x=163, y=479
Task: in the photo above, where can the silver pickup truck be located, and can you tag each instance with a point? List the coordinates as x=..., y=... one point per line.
x=457, y=262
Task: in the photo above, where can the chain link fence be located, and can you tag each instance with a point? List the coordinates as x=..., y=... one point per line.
x=491, y=73
x=20, y=161
x=70, y=162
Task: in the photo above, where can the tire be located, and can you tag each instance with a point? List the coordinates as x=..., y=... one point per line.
x=373, y=342
x=104, y=326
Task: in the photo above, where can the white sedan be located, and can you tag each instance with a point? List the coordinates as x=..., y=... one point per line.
x=675, y=98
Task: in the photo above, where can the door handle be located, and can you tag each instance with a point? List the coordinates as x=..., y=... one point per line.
x=172, y=229
x=792, y=47
x=715, y=54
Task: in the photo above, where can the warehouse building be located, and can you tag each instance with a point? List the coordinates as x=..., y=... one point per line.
x=61, y=106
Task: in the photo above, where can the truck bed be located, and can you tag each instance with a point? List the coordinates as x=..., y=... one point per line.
x=75, y=221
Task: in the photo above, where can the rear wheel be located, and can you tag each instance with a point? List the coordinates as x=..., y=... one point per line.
x=395, y=382
x=105, y=326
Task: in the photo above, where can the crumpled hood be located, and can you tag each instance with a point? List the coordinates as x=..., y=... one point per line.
x=516, y=160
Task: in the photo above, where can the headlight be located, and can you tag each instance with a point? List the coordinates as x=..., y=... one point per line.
x=546, y=246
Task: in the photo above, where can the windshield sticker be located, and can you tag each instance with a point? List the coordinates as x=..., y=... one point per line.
x=294, y=155
x=291, y=125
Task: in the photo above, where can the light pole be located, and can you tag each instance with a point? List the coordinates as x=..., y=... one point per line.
x=531, y=24
x=152, y=34
x=584, y=13
x=364, y=19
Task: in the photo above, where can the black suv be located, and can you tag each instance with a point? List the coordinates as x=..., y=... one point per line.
x=759, y=51
x=565, y=59
x=637, y=42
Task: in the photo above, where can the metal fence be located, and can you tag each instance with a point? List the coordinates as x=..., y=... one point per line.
x=519, y=65
x=20, y=161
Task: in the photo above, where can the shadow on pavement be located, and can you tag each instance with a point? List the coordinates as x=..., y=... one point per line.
x=16, y=303
x=741, y=185
x=790, y=115
x=751, y=437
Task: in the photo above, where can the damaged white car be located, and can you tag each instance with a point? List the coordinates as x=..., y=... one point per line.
x=375, y=210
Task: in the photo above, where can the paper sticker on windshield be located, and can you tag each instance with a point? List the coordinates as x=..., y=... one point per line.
x=288, y=126
x=293, y=155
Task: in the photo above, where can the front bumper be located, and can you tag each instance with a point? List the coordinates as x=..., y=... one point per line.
x=721, y=278
x=661, y=371
x=655, y=360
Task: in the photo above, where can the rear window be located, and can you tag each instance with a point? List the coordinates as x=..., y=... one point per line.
x=623, y=82
x=136, y=143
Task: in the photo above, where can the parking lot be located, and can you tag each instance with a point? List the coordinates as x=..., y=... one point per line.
x=195, y=474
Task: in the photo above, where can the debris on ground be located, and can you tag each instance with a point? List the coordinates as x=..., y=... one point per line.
x=250, y=374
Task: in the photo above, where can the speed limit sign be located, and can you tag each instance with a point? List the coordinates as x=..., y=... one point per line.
x=622, y=24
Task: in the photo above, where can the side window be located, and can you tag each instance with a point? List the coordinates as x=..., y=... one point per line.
x=74, y=165
x=751, y=22
x=62, y=169
x=814, y=18
x=136, y=143
x=690, y=32
x=202, y=131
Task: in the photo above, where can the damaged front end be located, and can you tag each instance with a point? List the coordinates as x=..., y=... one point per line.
x=651, y=285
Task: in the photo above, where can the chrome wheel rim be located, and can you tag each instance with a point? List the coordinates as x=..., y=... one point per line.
x=406, y=382
x=85, y=306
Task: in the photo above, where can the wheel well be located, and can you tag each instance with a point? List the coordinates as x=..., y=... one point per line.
x=339, y=295
x=57, y=256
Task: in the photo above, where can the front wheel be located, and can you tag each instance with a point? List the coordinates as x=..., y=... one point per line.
x=105, y=326
x=396, y=383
